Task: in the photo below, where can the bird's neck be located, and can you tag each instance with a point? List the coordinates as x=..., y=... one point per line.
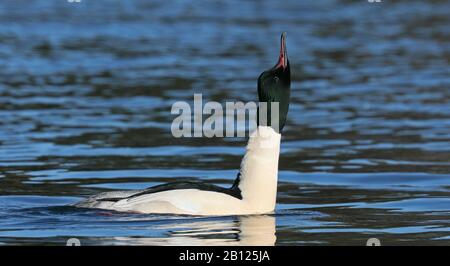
x=259, y=169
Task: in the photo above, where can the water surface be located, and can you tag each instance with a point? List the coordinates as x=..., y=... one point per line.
x=85, y=96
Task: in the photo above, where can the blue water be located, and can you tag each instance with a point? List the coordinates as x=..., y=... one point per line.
x=86, y=91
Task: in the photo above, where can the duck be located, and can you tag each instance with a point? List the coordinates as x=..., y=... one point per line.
x=253, y=191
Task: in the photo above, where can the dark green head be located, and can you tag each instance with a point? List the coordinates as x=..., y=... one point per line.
x=274, y=85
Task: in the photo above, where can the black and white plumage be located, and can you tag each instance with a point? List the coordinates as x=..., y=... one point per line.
x=255, y=188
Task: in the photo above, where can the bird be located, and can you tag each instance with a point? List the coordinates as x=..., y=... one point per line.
x=253, y=191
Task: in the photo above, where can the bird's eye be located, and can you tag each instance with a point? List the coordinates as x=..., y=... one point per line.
x=276, y=79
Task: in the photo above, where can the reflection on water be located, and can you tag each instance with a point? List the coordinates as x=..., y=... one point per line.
x=56, y=223
x=85, y=97
x=257, y=230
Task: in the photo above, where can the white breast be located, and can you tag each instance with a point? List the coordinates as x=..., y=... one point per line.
x=259, y=170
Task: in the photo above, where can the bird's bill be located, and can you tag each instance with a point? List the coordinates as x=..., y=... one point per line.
x=282, y=61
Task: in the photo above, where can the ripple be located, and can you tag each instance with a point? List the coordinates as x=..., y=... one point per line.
x=86, y=92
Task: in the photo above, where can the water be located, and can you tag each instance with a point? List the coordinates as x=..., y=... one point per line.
x=85, y=96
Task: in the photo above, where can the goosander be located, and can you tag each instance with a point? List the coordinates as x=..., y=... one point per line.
x=255, y=188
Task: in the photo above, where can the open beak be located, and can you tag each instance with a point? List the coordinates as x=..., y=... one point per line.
x=282, y=61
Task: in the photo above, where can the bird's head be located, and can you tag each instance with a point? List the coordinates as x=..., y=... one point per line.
x=274, y=85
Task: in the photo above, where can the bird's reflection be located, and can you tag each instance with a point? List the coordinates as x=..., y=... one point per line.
x=242, y=230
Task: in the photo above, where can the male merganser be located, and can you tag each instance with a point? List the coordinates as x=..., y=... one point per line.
x=255, y=188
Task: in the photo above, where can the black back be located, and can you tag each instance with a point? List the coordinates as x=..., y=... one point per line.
x=233, y=191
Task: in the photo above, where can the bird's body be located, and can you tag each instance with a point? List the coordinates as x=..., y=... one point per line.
x=254, y=191
x=255, y=188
